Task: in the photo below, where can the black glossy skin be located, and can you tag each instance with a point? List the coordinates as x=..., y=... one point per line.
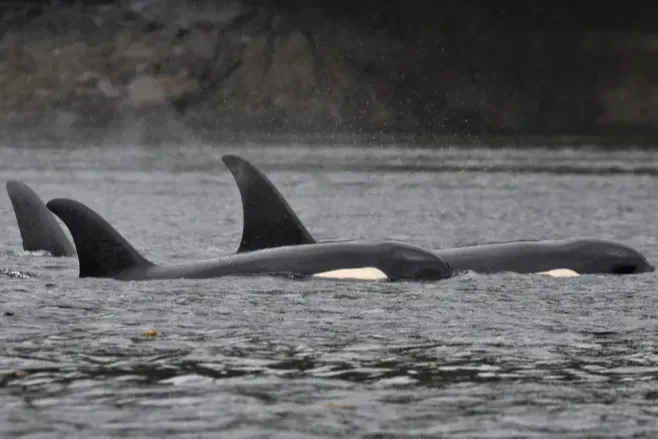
x=584, y=256
x=397, y=260
x=39, y=228
x=263, y=203
x=103, y=252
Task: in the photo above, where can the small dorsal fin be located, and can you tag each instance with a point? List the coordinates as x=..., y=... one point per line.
x=38, y=227
x=268, y=219
x=102, y=251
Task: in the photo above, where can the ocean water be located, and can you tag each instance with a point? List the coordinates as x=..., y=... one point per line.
x=502, y=355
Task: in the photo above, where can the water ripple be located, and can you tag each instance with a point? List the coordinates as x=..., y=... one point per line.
x=474, y=356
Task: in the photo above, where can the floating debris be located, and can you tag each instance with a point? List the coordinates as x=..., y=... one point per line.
x=9, y=377
x=151, y=333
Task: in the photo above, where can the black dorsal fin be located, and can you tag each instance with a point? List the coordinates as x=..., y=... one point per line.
x=102, y=251
x=39, y=228
x=268, y=219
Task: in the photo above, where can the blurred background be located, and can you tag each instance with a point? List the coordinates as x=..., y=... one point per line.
x=171, y=70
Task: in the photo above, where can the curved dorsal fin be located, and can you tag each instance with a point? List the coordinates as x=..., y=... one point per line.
x=102, y=251
x=39, y=228
x=268, y=219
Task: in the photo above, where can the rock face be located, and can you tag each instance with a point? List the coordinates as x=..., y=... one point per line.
x=230, y=66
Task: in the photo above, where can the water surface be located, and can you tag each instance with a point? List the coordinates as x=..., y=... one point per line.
x=475, y=356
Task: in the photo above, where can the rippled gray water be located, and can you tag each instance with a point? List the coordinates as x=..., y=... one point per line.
x=474, y=356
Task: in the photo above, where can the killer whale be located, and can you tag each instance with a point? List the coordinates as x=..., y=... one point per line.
x=38, y=227
x=104, y=252
x=582, y=256
x=267, y=213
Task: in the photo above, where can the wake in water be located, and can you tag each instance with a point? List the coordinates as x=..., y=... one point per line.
x=16, y=274
x=38, y=253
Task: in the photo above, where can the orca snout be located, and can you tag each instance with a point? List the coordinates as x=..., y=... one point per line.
x=642, y=267
x=408, y=262
x=617, y=258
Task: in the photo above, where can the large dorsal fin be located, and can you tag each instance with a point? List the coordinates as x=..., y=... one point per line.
x=268, y=219
x=39, y=228
x=102, y=251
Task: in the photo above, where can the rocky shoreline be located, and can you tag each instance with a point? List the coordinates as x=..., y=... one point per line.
x=133, y=74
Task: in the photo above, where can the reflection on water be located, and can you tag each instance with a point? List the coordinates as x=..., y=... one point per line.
x=474, y=356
